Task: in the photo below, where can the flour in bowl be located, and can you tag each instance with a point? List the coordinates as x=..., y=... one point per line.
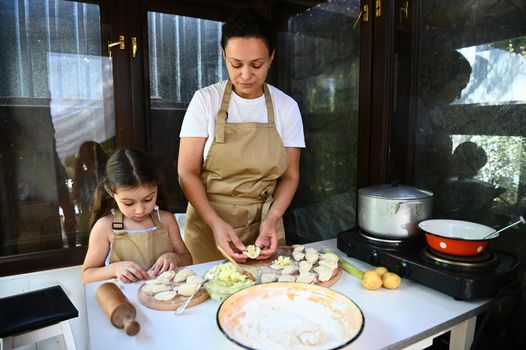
x=282, y=323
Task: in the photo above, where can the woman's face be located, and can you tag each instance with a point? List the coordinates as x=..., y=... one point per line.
x=247, y=61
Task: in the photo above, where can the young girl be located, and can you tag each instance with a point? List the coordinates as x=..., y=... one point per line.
x=130, y=237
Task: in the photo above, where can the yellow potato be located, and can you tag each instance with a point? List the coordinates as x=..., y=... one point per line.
x=381, y=270
x=371, y=280
x=391, y=280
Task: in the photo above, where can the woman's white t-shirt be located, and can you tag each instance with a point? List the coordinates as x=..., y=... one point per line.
x=200, y=117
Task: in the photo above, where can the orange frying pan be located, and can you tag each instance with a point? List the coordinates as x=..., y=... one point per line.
x=456, y=237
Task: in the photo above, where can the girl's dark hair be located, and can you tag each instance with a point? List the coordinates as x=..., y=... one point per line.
x=125, y=168
x=246, y=23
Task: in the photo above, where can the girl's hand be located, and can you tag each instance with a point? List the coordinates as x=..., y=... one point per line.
x=128, y=271
x=226, y=237
x=268, y=238
x=166, y=262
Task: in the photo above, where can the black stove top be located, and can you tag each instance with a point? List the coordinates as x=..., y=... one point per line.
x=462, y=278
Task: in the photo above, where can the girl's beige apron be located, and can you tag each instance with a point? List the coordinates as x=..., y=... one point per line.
x=143, y=248
x=239, y=174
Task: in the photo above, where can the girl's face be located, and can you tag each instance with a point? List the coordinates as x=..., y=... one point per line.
x=247, y=61
x=136, y=203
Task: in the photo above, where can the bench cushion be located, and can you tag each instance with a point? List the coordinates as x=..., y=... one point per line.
x=33, y=310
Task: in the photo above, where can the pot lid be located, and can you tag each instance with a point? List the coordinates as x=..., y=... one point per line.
x=394, y=192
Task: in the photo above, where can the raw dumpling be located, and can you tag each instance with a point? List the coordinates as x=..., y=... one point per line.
x=194, y=279
x=329, y=256
x=167, y=275
x=165, y=296
x=268, y=277
x=324, y=273
x=306, y=277
x=154, y=281
x=311, y=256
x=328, y=263
x=188, y=289
x=252, y=251
x=298, y=256
x=311, y=251
x=289, y=270
x=298, y=248
x=286, y=278
x=305, y=266
x=152, y=289
x=182, y=275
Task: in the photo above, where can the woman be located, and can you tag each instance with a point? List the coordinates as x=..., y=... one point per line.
x=240, y=150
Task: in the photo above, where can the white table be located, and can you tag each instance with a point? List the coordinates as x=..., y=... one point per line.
x=408, y=317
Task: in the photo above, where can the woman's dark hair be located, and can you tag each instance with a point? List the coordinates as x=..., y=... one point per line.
x=89, y=170
x=125, y=168
x=246, y=23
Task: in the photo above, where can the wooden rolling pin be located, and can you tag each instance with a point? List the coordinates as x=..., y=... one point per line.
x=117, y=307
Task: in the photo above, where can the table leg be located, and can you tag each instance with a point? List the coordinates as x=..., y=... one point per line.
x=462, y=334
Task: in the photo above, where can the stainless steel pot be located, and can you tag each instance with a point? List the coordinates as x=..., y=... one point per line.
x=393, y=211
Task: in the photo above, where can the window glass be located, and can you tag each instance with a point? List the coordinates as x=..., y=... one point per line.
x=465, y=111
x=499, y=73
x=459, y=126
x=185, y=55
x=322, y=52
x=56, y=122
x=470, y=109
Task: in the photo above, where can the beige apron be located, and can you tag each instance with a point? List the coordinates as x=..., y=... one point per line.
x=143, y=248
x=239, y=174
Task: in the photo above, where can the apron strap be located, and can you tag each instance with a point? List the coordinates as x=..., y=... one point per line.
x=220, y=198
x=266, y=207
x=268, y=103
x=118, y=220
x=223, y=114
x=155, y=217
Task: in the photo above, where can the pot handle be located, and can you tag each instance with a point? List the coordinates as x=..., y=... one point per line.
x=419, y=207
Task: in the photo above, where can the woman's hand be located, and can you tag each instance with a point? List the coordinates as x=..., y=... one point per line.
x=166, y=262
x=268, y=238
x=128, y=271
x=227, y=238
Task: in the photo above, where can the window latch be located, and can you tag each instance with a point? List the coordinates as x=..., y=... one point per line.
x=115, y=43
